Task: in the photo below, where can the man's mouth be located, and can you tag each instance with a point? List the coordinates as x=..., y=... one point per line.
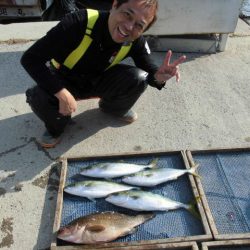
x=122, y=33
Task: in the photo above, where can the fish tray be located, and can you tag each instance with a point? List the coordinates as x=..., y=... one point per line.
x=227, y=245
x=165, y=228
x=224, y=190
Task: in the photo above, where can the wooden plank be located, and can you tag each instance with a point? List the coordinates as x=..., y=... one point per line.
x=175, y=245
x=151, y=153
x=228, y=243
x=197, y=196
x=119, y=155
x=59, y=203
x=232, y=236
x=203, y=197
x=218, y=150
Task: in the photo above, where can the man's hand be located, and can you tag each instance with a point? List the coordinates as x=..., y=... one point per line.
x=167, y=70
x=67, y=103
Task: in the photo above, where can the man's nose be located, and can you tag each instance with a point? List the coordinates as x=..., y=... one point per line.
x=129, y=25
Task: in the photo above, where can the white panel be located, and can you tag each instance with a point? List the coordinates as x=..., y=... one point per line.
x=19, y=2
x=177, y=17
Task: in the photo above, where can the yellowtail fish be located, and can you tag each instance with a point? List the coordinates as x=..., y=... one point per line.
x=153, y=177
x=113, y=170
x=96, y=189
x=101, y=227
x=146, y=201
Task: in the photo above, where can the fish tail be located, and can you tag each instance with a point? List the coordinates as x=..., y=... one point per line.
x=192, y=208
x=146, y=217
x=153, y=163
x=193, y=169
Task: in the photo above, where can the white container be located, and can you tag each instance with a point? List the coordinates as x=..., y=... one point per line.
x=177, y=17
x=19, y=2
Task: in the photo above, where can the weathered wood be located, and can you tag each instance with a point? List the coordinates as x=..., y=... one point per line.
x=119, y=155
x=174, y=245
x=59, y=203
x=203, y=198
x=197, y=196
x=154, y=153
x=228, y=243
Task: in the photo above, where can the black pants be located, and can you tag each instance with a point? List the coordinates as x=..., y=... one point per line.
x=119, y=88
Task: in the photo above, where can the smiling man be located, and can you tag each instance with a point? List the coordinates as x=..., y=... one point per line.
x=80, y=58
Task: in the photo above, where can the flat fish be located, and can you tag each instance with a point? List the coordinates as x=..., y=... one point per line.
x=101, y=227
x=153, y=177
x=114, y=170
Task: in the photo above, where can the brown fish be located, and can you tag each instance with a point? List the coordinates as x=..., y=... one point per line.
x=101, y=227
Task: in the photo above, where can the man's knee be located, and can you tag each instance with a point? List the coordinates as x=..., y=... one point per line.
x=142, y=76
x=136, y=78
x=37, y=97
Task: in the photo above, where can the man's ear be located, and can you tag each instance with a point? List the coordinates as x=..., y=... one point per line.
x=114, y=5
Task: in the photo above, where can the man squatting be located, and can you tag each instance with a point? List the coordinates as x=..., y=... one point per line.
x=79, y=58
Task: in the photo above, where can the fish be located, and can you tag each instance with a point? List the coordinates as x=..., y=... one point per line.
x=92, y=189
x=110, y=170
x=153, y=177
x=101, y=227
x=146, y=201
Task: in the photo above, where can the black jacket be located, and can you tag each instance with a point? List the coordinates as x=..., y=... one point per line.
x=62, y=39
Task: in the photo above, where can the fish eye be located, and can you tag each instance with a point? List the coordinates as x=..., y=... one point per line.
x=88, y=184
x=135, y=197
x=105, y=166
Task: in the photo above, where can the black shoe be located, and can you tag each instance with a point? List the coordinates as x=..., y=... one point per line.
x=48, y=141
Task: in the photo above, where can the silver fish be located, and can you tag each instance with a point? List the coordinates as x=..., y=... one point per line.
x=101, y=227
x=113, y=170
x=96, y=189
x=153, y=177
x=145, y=201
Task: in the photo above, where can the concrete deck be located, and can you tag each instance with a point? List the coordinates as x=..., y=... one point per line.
x=210, y=108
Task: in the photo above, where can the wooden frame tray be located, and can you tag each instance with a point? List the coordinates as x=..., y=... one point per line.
x=165, y=243
x=193, y=158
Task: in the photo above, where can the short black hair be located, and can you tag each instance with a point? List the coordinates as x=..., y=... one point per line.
x=148, y=3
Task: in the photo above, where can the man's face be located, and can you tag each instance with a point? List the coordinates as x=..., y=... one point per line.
x=129, y=20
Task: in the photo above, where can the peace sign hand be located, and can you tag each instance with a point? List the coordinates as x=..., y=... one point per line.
x=167, y=70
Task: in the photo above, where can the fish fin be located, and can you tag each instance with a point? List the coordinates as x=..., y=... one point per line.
x=193, y=169
x=132, y=231
x=121, y=161
x=95, y=228
x=108, y=179
x=192, y=208
x=148, y=175
x=153, y=163
x=128, y=232
x=91, y=199
x=148, y=216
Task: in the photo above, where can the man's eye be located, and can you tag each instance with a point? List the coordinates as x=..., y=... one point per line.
x=127, y=14
x=139, y=26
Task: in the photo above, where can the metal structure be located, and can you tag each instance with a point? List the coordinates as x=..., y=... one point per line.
x=194, y=25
